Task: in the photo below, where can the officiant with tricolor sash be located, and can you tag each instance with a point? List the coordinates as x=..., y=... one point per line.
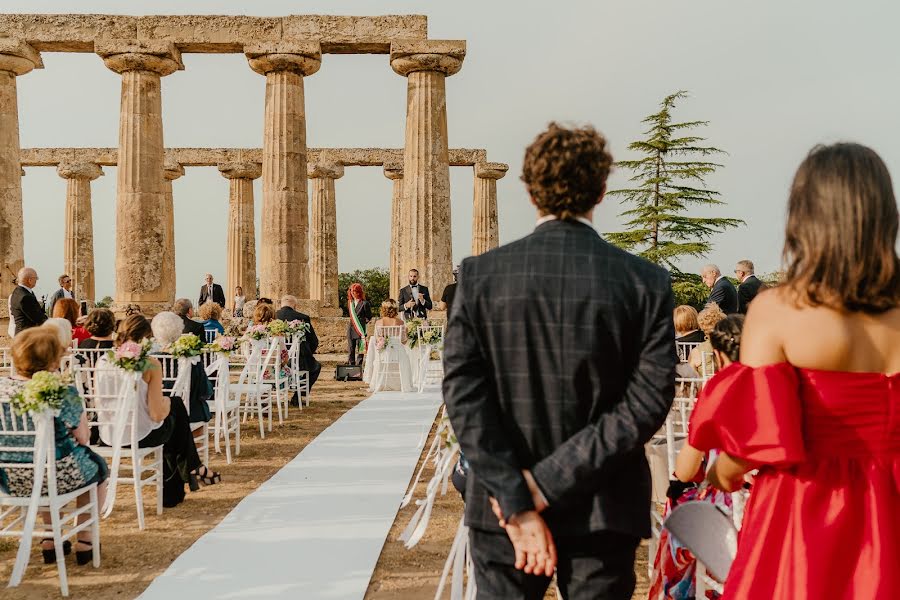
x=360, y=314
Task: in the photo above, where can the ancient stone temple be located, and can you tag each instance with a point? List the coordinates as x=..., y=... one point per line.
x=298, y=254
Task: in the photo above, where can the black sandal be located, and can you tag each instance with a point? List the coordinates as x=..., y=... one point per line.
x=83, y=557
x=50, y=555
x=209, y=477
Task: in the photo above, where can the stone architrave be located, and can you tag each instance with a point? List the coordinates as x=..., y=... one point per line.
x=142, y=218
x=172, y=170
x=485, y=235
x=394, y=172
x=241, y=249
x=284, y=251
x=323, y=271
x=78, y=262
x=16, y=58
x=426, y=242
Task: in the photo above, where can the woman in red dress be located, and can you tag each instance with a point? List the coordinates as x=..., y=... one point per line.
x=814, y=403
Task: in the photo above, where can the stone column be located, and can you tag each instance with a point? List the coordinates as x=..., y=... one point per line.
x=284, y=252
x=16, y=58
x=241, y=249
x=323, y=269
x=427, y=243
x=78, y=262
x=142, y=218
x=394, y=172
x=485, y=235
x=172, y=170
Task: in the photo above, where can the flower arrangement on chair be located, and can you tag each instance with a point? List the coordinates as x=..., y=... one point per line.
x=44, y=391
x=132, y=356
x=223, y=344
x=381, y=342
x=432, y=337
x=256, y=333
x=186, y=346
x=278, y=328
x=298, y=328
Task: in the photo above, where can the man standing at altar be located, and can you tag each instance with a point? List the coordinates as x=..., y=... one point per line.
x=211, y=292
x=559, y=365
x=414, y=298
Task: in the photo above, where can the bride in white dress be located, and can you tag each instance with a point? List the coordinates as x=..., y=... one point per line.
x=387, y=363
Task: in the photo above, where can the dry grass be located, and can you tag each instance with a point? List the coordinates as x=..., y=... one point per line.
x=403, y=574
x=132, y=559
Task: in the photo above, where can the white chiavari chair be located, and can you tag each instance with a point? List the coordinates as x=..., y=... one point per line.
x=684, y=350
x=226, y=408
x=31, y=438
x=272, y=375
x=299, y=379
x=429, y=369
x=176, y=378
x=385, y=362
x=250, y=391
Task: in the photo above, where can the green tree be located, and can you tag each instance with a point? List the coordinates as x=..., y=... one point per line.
x=104, y=302
x=376, y=283
x=666, y=183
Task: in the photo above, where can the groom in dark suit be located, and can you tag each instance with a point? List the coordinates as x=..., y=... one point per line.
x=559, y=365
x=308, y=362
x=722, y=292
x=211, y=292
x=415, y=301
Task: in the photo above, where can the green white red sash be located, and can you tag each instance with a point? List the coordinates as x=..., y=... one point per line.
x=358, y=325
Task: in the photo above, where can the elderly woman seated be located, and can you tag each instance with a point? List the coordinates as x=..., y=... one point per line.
x=34, y=350
x=167, y=327
x=211, y=315
x=162, y=421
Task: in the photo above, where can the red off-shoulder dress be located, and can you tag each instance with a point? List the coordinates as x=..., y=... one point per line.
x=823, y=520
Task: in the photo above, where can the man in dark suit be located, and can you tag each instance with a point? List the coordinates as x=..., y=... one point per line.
x=211, y=292
x=750, y=284
x=722, y=292
x=559, y=365
x=25, y=310
x=308, y=362
x=414, y=298
x=64, y=291
x=184, y=309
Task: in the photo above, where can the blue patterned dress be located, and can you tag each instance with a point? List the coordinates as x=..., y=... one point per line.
x=76, y=465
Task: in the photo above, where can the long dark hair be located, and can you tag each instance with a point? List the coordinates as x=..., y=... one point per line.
x=842, y=230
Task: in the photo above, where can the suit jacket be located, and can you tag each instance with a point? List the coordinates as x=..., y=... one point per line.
x=218, y=296
x=560, y=358
x=724, y=294
x=747, y=291
x=192, y=326
x=25, y=309
x=57, y=295
x=364, y=312
x=420, y=310
x=286, y=313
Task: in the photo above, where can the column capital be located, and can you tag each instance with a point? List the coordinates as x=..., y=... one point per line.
x=443, y=56
x=491, y=170
x=172, y=170
x=240, y=170
x=158, y=56
x=303, y=58
x=393, y=170
x=18, y=57
x=325, y=170
x=79, y=170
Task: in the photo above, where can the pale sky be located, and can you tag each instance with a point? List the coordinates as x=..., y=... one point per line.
x=773, y=78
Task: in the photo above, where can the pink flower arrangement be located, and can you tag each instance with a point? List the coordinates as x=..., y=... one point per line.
x=225, y=342
x=257, y=332
x=380, y=342
x=128, y=350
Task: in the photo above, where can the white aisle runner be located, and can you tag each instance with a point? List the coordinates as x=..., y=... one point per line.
x=316, y=528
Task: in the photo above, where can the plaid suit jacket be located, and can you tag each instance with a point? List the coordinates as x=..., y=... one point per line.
x=559, y=357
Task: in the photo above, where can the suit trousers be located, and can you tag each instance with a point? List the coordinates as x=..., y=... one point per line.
x=597, y=565
x=354, y=357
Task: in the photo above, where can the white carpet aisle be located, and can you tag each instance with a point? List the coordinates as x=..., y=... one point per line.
x=316, y=528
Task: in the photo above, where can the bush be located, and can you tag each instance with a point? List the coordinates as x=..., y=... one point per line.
x=376, y=283
x=104, y=302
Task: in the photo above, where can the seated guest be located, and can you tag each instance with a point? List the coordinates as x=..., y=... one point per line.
x=687, y=328
x=701, y=358
x=288, y=312
x=160, y=421
x=184, y=309
x=674, y=566
x=100, y=324
x=263, y=313
x=211, y=313
x=166, y=328
x=63, y=330
x=266, y=301
x=34, y=350
x=68, y=309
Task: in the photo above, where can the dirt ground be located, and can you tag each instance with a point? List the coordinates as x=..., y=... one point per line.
x=403, y=574
x=131, y=558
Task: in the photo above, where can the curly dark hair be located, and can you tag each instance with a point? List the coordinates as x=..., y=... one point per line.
x=565, y=170
x=101, y=322
x=726, y=336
